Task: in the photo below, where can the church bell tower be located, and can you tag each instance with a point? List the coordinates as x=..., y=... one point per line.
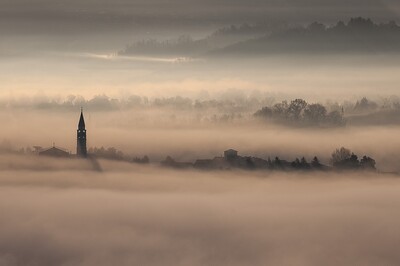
x=81, y=150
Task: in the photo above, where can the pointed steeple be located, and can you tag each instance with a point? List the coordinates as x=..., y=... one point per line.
x=81, y=150
x=81, y=124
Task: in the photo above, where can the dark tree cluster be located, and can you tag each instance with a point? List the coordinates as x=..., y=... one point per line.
x=299, y=112
x=112, y=153
x=143, y=160
x=358, y=35
x=344, y=159
x=107, y=153
x=364, y=105
x=301, y=164
x=170, y=162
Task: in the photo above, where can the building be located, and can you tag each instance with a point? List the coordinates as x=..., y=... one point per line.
x=54, y=152
x=81, y=150
x=230, y=154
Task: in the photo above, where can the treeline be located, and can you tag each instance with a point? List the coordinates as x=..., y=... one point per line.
x=112, y=153
x=300, y=113
x=345, y=159
x=231, y=100
x=341, y=159
x=230, y=106
x=109, y=153
x=365, y=105
x=185, y=45
x=368, y=112
x=358, y=35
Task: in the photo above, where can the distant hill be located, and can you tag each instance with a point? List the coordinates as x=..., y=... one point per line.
x=359, y=35
x=187, y=46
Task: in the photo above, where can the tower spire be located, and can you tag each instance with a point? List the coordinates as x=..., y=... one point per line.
x=81, y=124
x=81, y=149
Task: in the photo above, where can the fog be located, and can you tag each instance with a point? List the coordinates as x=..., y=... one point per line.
x=338, y=77
x=191, y=79
x=158, y=133
x=144, y=215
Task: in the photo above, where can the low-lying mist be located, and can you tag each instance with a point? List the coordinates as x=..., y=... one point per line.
x=159, y=133
x=135, y=215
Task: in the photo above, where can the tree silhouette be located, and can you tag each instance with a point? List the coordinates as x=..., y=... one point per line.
x=304, y=164
x=315, y=114
x=296, y=107
x=335, y=118
x=344, y=159
x=315, y=162
x=296, y=163
x=280, y=109
x=368, y=163
x=340, y=155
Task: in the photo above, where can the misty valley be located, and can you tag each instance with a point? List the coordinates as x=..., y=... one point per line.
x=227, y=114
x=199, y=133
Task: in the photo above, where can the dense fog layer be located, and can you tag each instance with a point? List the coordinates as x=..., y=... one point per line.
x=141, y=215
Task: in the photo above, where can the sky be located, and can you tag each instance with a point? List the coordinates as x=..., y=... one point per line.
x=67, y=23
x=56, y=47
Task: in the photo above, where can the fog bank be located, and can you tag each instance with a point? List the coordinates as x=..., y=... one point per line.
x=145, y=216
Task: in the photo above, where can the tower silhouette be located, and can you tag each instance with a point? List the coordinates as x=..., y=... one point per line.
x=81, y=150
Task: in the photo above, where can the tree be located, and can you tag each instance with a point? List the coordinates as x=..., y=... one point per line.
x=169, y=161
x=368, y=163
x=340, y=155
x=296, y=163
x=249, y=163
x=352, y=162
x=344, y=159
x=316, y=27
x=304, y=164
x=143, y=160
x=335, y=118
x=280, y=109
x=315, y=114
x=315, y=163
x=264, y=112
x=365, y=105
x=299, y=112
x=361, y=24
x=296, y=108
x=277, y=163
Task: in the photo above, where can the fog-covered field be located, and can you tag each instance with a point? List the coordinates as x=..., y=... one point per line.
x=132, y=215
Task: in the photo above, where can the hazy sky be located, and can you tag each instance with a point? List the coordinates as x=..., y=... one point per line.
x=61, y=47
x=74, y=17
x=43, y=25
